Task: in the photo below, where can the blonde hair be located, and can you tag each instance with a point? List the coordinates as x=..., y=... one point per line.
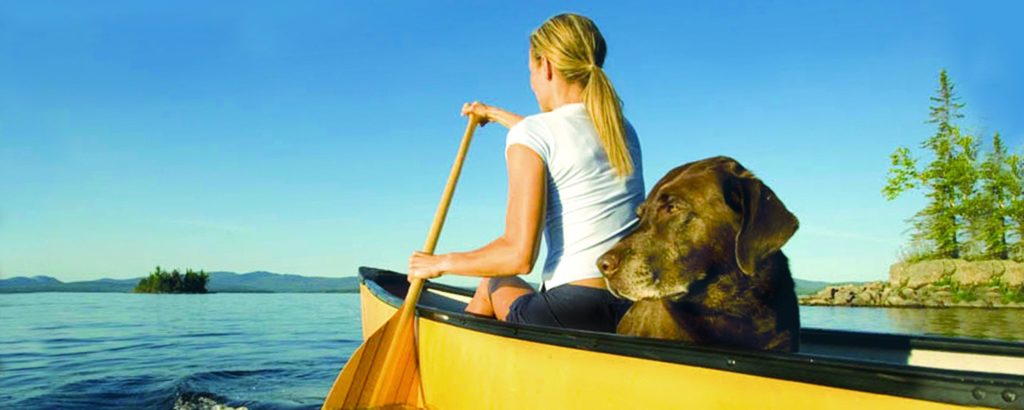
x=575, y=47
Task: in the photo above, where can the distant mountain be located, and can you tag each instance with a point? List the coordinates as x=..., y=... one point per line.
x=31, y=281
x=276, y=282
x=810, y=287
x=254, y=282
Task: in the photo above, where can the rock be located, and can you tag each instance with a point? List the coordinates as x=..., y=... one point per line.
x=897, y=301
x=863, y=299
x=979, y=303
x=977, y=273
x=927, y=272
x=935, y=283
x=991, y=295
x=844, y=295
x=897, y=273
x=869, y=294
x=1013, y=273
x=969, y=273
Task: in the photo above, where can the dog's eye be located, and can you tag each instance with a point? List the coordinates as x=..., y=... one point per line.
x=669, y=207
x=667, y=203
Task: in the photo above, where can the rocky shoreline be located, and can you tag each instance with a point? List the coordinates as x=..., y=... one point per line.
x=935, y=283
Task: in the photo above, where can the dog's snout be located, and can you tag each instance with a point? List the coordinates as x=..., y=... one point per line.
x=608, y=263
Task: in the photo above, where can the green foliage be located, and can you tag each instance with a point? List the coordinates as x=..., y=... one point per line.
x=914, y=252
x=1015, y=206
x=990, y=217
x=974, y=207
x=946, y=280
x=960, y=292
x=1013, y=295
x=948, y=108
x=161, y=281
x=964, y=293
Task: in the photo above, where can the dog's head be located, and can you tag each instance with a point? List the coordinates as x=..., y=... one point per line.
x=706, y=216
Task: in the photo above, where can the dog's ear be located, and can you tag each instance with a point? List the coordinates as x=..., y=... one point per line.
x=766, y=223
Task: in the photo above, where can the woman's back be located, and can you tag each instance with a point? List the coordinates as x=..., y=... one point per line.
x=588, y=206
x=573, y=172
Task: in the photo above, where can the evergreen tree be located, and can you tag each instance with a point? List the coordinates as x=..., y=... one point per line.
x=948, y=179
x=161, y=281
x=174, y=285
x=195, y=282
x=989, y=220
x=1015, y=210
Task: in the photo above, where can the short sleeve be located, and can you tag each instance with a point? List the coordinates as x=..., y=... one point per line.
x=529, y=132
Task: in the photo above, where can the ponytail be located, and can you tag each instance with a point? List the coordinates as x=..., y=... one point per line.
x=576, y=49
x=605, y=110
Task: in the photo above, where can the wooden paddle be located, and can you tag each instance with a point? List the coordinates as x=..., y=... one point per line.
x=384, y=372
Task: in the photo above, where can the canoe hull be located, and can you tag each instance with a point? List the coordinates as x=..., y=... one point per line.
x=460, y=367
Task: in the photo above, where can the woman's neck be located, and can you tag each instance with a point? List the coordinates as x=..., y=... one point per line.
x=564, y=93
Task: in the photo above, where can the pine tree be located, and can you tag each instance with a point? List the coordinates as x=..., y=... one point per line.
x=989, y=219
x=948, y=179
x=1015, y=209
x=161, y=281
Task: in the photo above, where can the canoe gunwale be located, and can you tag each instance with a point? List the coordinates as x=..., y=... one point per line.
x=949, y=386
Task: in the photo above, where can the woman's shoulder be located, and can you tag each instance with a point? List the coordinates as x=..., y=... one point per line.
x=562, y=119
x=534, y=126
x=533, y=132
x=534, y=122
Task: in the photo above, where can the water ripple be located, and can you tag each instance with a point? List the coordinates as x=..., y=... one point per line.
x=260, y=351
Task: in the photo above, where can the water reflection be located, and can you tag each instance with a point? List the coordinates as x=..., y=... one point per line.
x=1004, y=324
x=982, y=323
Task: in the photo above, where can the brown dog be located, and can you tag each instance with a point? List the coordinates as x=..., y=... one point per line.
x=704, y=265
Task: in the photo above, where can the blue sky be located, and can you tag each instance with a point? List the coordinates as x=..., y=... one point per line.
x=315, y=137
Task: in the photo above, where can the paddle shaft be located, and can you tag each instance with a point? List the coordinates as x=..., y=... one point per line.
x=404, y=323
x=442, y=207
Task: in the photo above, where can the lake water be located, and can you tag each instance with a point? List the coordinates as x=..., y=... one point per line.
x=264, y=351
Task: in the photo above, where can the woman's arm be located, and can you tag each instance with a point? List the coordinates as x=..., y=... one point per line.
x=488, y=113
x=515, y=252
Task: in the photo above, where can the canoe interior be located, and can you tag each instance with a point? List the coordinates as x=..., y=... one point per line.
x=952, y=370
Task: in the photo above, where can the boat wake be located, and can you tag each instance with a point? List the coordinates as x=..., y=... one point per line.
x=227, y=351
x=236, y=390
x=202, y=401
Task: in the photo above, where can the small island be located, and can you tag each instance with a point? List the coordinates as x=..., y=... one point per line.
x=161, y=281
x=967, y=244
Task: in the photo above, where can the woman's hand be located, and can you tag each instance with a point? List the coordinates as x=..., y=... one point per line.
x=487, y=113
x=425, y=266
x=481, y=110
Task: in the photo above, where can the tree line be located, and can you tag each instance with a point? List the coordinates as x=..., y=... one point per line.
x=161, y=281
x=975, y=196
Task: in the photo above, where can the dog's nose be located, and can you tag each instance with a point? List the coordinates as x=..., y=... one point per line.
x=608, y=264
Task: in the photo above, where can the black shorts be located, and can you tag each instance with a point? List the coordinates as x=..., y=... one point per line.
x=570, y=306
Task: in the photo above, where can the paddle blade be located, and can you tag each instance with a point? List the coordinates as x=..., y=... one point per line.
x=382, y=373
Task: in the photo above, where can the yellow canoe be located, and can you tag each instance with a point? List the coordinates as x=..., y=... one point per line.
x=467, y=362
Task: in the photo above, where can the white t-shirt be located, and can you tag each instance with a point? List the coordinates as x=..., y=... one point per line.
x=589, y=208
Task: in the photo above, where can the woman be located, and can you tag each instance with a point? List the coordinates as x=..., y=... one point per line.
x=574, y=169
